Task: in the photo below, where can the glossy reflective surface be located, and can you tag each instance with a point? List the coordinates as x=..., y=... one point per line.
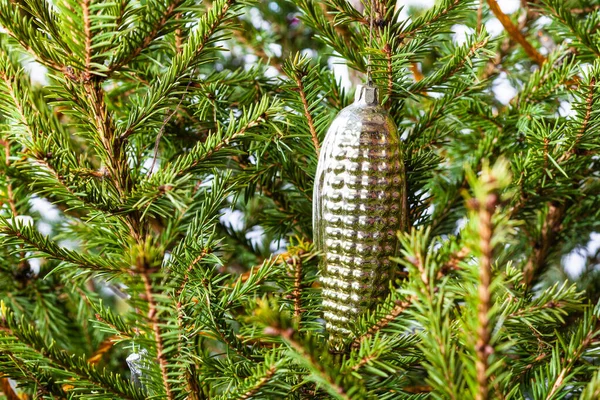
x=357, y=203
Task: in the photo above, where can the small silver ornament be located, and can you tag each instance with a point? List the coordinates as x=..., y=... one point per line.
x=357, y=210
x=139, y=365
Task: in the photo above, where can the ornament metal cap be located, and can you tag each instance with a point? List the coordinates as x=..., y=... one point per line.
x=367, y=94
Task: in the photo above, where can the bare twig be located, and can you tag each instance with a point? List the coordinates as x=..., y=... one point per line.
x=399, y=308
x=152, y=318
x=307, y=114
x=482, y=348
x=515, y=33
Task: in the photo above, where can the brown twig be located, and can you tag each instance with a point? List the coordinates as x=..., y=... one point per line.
x=288, y=336
x=399, y=308
x=515, y=33
x=307, y=114
x=297, y=292
x=482, y=347
x=152, y=318
x=262, y=382
x=169, y=11
x=544, y=245
x=589, y=102
x=585, y=10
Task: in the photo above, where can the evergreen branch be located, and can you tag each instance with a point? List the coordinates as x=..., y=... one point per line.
x=297, y=291
x=7, y=17
x=482, y=347
x=545, y=244
x=585, y=10
x=159, y=94
x=251, y=392
x=399, y=308
x=584, y=33
x=430, y=18
x=515, y=33
x=589, y=103
x=288, y=336
x=307, y=113
x=12, y=231
x=29, y=336
x=190, y=268
x=387, y=50
x=152, y=318
x=573, y=356
x=150, y=36
x=455, y=64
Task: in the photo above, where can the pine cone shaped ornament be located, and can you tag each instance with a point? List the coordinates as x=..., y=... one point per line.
x=357, y=210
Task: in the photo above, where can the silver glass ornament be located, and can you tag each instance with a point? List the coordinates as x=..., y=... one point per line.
x=357, y=210
x=139, y=365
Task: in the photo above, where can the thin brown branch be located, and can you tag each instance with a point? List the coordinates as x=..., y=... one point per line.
x=543, y=246
x=515, y=33
x=152, y=318
x=570, y=363
x=482, y=348
x=44, y=61
x=399, y=308
x=190, y=267
x=432, y=21
x=169, y=11
x=589, y=102
x=288, y=336
x=262, y=382
x=309, y=118
x=585, y=10
x=297, y=292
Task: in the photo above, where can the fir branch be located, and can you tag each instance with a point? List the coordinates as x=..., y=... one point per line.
x=158, y=339
x=430, y=19
x=12, y=231
x=169, y=11
x=399, y=308
x=159, y=96
x=311, y=124
x=515, y=33
x=545, y=244
x=297, y=291
x=482, y=347
x=585, y=10
x=589, y=103
x=258, y=386
x=288, y=336
x=30, y=337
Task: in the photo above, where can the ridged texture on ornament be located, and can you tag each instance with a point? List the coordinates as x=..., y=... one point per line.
x=357, y=208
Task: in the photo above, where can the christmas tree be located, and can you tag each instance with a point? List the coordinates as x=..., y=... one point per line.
x=156, y=194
